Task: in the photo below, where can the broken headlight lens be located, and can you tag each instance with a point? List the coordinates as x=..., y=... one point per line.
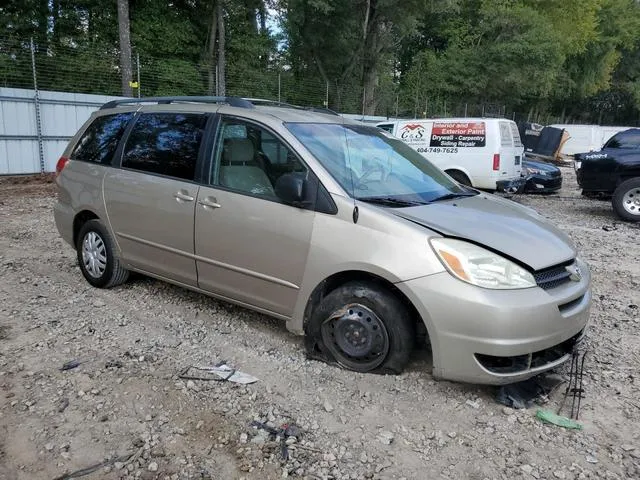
x=478, y=266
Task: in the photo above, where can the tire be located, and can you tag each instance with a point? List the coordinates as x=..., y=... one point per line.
x=459, y=177
x=362, y=327
x=626, y=200
x=100, y=263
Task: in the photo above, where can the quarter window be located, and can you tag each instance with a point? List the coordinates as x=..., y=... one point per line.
x=166, y=144
x=100, y=140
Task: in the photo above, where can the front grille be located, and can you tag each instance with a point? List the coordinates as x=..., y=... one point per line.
x=552, y=277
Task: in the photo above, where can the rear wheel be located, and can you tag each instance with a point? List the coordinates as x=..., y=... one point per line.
x=626, y=200
x=363, y=327
x=459, y=177
x=98, y=256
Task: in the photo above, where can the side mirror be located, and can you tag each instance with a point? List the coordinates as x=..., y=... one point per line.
x=290, y=188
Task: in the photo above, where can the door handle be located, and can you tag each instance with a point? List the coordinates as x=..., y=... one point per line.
x=179, y=196
x=209, y=202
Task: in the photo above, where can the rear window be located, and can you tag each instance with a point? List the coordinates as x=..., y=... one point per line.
x=166, y=144
x=627, y=139
x=100, y=140
x=387, y=127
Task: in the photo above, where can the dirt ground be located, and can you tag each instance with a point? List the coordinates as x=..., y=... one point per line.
x=124, y=410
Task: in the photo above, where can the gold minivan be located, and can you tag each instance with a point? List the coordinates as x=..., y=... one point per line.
x=353, y=238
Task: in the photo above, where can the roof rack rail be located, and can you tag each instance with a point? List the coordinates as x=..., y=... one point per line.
x=276, y=103
x=233, y=101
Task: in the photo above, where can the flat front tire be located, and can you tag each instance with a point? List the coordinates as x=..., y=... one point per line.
x=363, y=327
x=98, y=257
x=626, y=200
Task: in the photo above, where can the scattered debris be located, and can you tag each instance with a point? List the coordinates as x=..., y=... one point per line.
x=327, y=406
x=550, y=417
x=88, y=470
x=285, y=433
x=524, y=394
x=575, y=387
x=386, y=438
x=220, y=372
x=4, y=332
x=64, y=403
x=70, y=365
x=609, y=228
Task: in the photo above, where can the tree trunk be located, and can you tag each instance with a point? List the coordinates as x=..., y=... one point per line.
x=371, y=52
x=125, y=46
x=222, y=86
x=211, y=49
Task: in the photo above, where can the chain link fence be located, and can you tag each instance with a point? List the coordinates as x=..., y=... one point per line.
x=94, y=69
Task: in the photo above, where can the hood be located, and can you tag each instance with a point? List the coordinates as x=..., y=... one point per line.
x=501, y=225
x=544, y=166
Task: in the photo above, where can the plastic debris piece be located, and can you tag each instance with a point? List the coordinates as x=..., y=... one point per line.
x=220, y=372
x=548, y=416
x=70, y=365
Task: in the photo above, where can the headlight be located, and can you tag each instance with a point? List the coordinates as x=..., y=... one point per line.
x=534, y=171
x=577, y=164
x=478, y=266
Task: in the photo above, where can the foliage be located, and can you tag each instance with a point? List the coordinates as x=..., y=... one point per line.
x=579, y=59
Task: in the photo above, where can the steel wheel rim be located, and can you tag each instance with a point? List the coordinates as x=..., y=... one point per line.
x=356, y=337
x=631, y=201
x=94, y=254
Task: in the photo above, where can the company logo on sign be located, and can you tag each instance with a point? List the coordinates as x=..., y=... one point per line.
x=456, y=134
x=412, y=132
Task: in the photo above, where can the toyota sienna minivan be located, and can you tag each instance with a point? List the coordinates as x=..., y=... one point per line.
x=343, y=231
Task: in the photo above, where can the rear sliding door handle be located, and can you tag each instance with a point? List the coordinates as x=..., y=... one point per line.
x=183, y=197
x=209, y=203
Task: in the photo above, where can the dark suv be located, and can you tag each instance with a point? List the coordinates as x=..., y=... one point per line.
x=614, y=171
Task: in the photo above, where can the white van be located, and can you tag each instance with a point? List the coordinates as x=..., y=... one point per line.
x=482, y=152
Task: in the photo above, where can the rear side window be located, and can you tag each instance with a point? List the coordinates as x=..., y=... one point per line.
x=100, y=140
x=505, y=135
x=165, y=143
x=516, y=135
x=387, y=127
x=628, y=139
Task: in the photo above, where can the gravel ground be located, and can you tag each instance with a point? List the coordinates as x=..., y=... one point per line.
x=124, y=405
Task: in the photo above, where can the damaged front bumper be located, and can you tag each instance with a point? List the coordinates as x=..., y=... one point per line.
x=515, y=185
x=499, y=336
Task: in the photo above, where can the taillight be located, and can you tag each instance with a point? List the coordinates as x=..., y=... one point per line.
x=496, y=161
x=61, y=164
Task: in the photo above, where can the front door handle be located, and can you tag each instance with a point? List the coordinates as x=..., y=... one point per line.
x=180, y=196
x=209, y=202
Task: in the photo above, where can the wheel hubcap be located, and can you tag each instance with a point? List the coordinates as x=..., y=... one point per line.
x=631, y=201
x=356, y=337
x=94, y=254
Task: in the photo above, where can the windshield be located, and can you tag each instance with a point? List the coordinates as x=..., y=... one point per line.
x=371, y=165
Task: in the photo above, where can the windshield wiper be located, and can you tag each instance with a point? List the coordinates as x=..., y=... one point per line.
x=390, y=201
x=450, y=196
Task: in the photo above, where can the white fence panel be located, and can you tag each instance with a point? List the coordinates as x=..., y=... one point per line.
x=61, y=115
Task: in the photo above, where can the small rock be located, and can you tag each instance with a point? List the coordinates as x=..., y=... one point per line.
x=49, y=446
x=591, y=459
x=559, y=474
x=363, y=457
x=191, y=385
x=507, y=411
x=385, y=437
x=327, y=406
x=99, y=303
x=452, y=434
x=628, y=448
x=147, y=418
x=153, y=467
x=243, y=438
x=526, y=468
x=473, y=404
